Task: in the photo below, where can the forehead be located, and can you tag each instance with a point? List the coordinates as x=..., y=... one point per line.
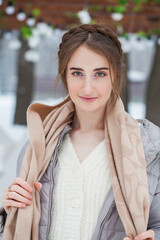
x=85, y=57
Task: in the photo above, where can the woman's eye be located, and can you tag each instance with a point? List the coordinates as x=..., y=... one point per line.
x=77, y=74
x=100, y=74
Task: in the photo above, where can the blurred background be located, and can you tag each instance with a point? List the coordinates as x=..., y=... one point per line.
x=30, y=33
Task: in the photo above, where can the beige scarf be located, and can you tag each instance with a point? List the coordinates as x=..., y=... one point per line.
x=127, y=167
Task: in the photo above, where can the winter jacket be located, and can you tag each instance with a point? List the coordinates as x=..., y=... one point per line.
x=109, y=225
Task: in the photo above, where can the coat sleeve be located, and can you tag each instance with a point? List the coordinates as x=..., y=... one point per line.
x=151, y=142
x=154, y=215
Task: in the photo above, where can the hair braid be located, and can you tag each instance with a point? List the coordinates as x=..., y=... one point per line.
x=94, y=28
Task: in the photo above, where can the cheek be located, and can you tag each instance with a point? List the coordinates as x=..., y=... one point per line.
x=72, y=87
x=106, y=90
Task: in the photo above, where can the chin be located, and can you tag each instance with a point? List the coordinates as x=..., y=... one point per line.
x=88, y=108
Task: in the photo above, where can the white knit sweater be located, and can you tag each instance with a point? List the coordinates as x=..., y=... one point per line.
x=80, y=192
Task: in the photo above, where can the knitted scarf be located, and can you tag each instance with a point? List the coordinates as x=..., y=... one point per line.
x=127, y=167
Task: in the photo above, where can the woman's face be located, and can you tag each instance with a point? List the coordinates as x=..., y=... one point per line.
x=88, y=79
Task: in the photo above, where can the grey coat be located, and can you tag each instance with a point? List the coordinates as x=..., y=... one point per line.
x=109, y=225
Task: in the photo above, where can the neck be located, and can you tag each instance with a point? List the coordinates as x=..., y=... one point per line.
x=88, y=121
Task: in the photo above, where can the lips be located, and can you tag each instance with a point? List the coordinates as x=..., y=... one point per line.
x=88, y=99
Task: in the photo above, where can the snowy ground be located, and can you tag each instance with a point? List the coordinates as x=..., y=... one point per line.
x=13, y=137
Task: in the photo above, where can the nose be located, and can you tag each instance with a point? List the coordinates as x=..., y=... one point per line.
x=87, y=87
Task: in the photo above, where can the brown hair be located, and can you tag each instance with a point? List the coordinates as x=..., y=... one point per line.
x=100, y=39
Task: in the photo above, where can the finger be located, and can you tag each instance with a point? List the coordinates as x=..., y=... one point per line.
x=18, y=189
x=11, y=203
x=38, y=186
x=126, y=238
x=18, y=198
x=22, y=183
x=145, y=235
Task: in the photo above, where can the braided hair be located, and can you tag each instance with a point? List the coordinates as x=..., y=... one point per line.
x=100, y=39
x=94, y=28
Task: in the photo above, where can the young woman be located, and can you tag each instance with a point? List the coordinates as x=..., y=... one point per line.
x=89, y=171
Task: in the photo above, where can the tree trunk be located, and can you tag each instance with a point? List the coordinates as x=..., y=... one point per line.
x=24, y=86
x=153, y=91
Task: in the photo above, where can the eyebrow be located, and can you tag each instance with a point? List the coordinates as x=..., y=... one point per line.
x=96, y=69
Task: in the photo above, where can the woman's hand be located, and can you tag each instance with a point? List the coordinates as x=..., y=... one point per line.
x=148, y=235
x=18, y=194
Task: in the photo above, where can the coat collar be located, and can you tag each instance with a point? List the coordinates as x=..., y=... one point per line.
x=150, y=134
